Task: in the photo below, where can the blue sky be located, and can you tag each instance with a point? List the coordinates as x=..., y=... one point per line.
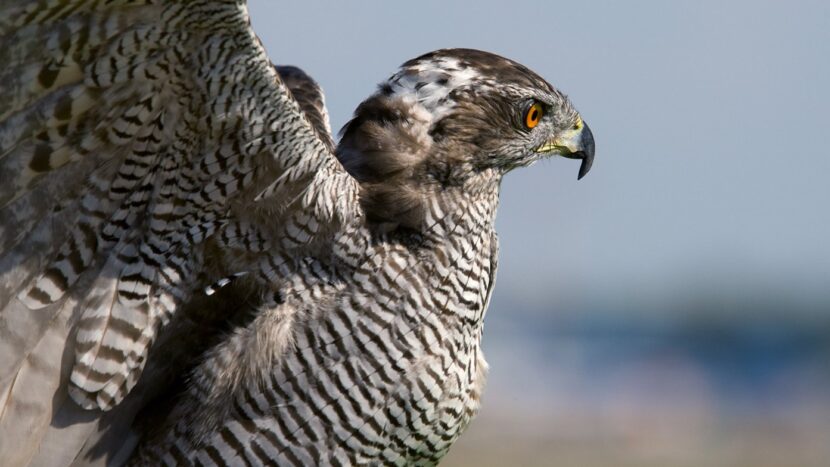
x=711, y=122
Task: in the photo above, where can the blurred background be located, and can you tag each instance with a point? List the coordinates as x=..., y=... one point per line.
x=673, y=307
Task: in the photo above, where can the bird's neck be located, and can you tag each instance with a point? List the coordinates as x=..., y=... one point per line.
x=461, y=246
x=462, y=212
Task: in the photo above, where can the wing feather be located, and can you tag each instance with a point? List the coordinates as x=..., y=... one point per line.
x=130, y=134
x=312, y=101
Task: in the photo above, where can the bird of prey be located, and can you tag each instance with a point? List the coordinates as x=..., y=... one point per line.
x=192, y=273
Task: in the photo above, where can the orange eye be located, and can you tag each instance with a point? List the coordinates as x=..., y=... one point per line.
x=534, y=115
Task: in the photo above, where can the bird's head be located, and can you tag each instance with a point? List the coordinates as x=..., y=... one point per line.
x=455, y=115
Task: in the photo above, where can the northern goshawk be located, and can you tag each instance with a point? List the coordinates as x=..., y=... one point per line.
x=191, y=272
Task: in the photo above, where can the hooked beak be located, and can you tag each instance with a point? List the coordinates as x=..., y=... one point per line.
x=577, y=143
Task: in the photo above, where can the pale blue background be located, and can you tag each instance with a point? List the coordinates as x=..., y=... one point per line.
x=687, y=277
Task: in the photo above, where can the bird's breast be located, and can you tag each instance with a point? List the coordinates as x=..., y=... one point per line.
x=392, y=369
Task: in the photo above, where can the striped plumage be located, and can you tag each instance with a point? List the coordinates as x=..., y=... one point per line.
x=190, y=272
x=388, y=367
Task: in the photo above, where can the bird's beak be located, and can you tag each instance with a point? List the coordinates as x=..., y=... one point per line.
x=576, y=143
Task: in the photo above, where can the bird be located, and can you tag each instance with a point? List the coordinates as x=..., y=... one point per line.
x=193, y=272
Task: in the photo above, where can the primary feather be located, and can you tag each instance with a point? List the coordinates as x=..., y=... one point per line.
x=189, y=265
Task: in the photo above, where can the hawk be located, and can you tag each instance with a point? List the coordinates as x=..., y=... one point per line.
x=191, y=272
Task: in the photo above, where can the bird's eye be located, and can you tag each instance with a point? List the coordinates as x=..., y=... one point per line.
x=534, y=115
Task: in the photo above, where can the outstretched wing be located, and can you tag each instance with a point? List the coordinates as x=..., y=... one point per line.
x=132, y=132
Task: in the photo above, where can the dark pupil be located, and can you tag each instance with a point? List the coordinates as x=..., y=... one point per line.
x=533, y=115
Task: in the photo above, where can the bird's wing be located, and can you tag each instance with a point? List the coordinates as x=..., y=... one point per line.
x=131, y=133
x=312, y=101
